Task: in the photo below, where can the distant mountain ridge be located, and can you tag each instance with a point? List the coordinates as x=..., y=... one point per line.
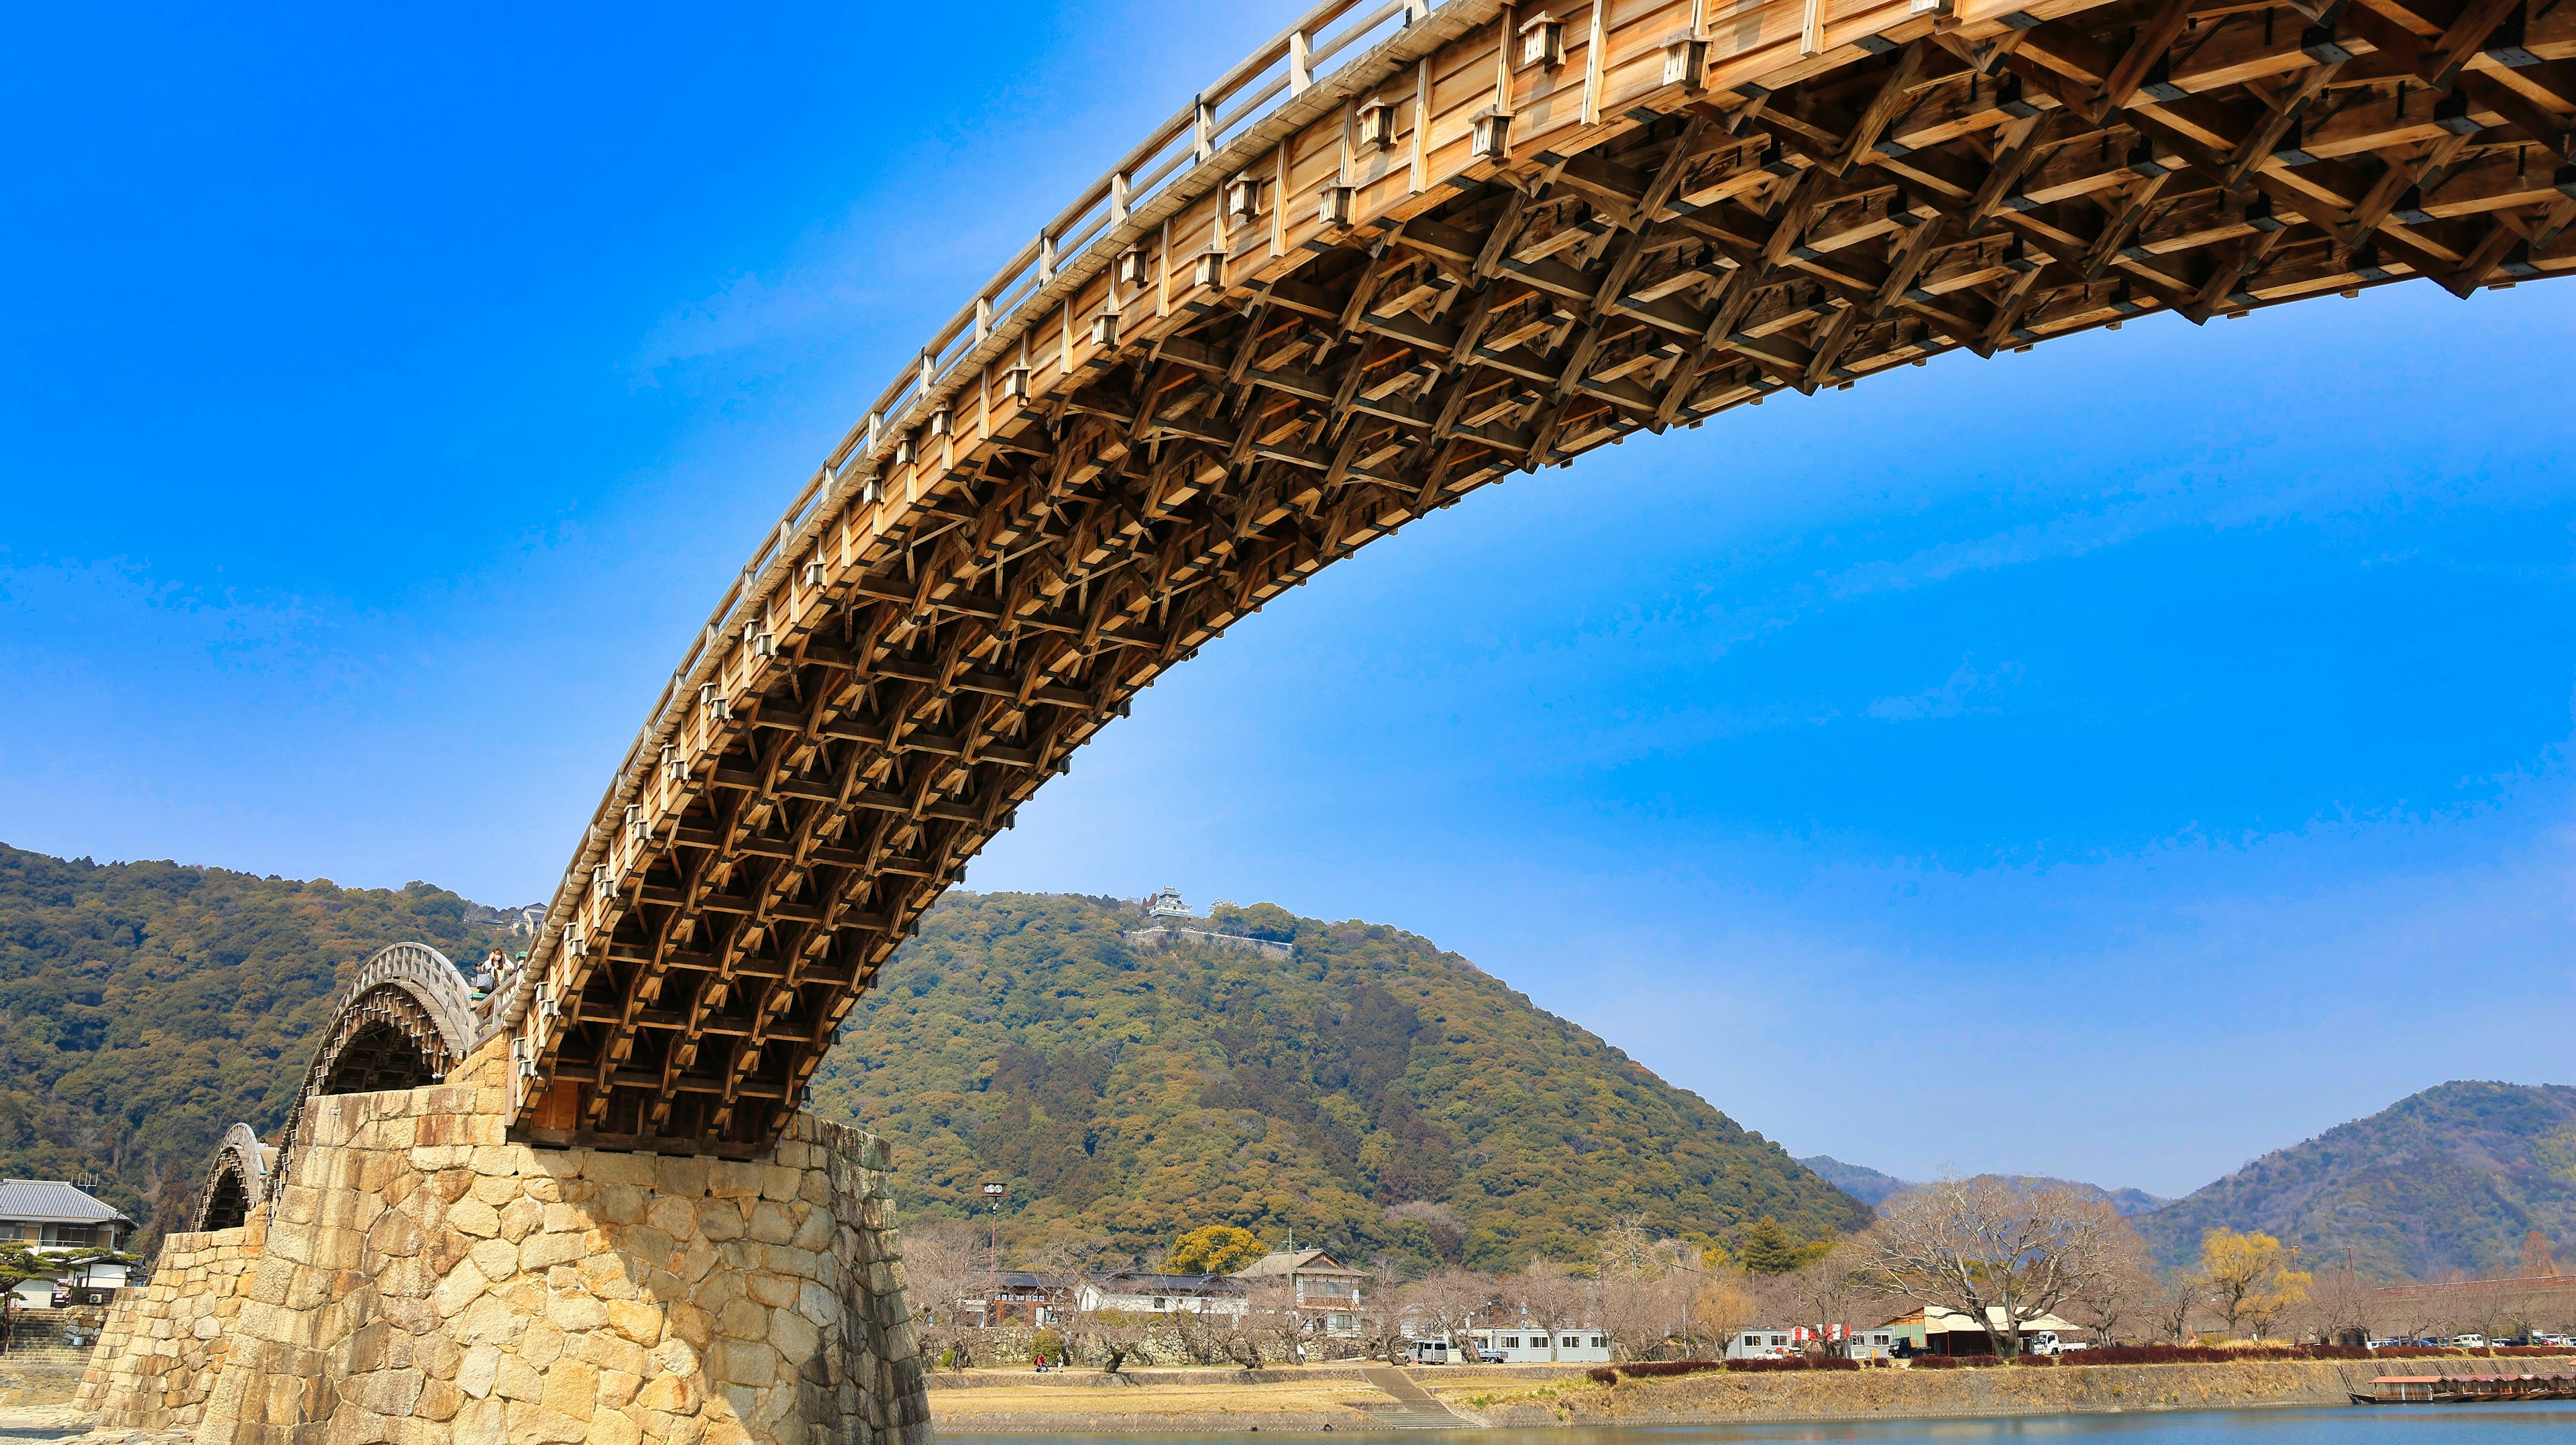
x=2453, y=1178
x=1874, y=1188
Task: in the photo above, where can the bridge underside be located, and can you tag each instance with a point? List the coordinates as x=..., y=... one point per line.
x=1455, y=269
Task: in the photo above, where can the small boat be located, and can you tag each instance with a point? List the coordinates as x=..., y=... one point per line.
x=2462, y=1389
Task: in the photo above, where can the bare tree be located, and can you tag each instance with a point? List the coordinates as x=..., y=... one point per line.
x=1824, y=1293
x=1272, y=1329
x=1552, y=1299
x=944, y=1265
x=2123, y=1291
x=2171, y=1307
x=1447, y=1300
x=1386, y=1302
x=1206, y=1335
x=1639, y=1296
x=1441, y=1227
x=2340, y=1308
x=2414, y=1314
x=2000, y=1254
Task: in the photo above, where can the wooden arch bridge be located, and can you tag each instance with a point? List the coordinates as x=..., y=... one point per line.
x=1397, y=255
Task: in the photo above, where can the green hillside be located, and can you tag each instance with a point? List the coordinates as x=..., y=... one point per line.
x=1372, y=1092
x=145, y=1007
x=2453, y=1178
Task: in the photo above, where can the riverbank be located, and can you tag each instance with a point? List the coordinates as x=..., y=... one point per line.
x=46, y=1384
x=1346, y=1398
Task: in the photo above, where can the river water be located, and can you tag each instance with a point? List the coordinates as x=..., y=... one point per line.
x=2497, y=1424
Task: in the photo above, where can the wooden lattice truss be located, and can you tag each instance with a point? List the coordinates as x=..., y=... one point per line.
x=1514, y=237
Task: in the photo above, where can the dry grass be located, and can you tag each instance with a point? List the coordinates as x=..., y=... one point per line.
x=1345, y=1404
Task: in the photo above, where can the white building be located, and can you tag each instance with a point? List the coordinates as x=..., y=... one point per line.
x=57, y=1218
x=1870, y=1345
x=1142, y=1293
x=1531, y=1345
x=1768, y=1343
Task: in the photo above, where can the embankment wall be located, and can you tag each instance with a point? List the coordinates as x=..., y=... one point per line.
x=1933, y=1394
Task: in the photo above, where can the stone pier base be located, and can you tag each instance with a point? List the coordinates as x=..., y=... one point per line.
x=426, y=1282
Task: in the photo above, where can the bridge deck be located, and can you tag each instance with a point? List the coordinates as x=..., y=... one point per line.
x=1323, y=302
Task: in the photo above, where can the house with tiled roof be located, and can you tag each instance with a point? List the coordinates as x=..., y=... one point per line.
x=1327, y=1291
x=53, y=1216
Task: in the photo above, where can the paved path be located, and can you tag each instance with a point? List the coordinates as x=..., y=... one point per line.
x=1422, y=1409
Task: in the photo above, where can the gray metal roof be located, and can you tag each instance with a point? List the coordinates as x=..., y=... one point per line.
x=51, y=1201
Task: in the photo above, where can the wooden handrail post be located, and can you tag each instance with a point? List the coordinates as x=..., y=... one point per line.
x=1118, y=199
x=1204, y=119
x=1301, y=62
x=1046, y=258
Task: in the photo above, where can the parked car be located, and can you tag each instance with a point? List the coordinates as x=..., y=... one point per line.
x=2468, y=1342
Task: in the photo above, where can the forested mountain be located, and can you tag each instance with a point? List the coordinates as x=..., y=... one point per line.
x=145, y=1007
x=2453, y=1178
x=1372, y=1092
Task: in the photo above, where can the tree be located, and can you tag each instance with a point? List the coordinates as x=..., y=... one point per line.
x=1272, y=1327
x=944, y=1264
x=1261, y=920
x=1385, y=1302
x=1447, y=1301
x=1552, y=1299
x=1640, y=1298
x=2248, y=1278
x=18, y=1264
x=2171, y=1307
x=2341, y=1308
x=2538, y=1260
x=1991, y=1250
x=1823, y=1293
x=2124, y=1290
x=1767, y=1248
x=1214, y=1249
x=1723, y=1303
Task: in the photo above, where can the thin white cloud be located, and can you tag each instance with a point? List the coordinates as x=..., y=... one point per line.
x=1965, y=691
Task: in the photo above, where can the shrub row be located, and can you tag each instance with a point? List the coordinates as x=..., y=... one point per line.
x=1655, y=1369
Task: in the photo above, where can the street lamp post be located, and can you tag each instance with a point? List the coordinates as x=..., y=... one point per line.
x=994, y=1190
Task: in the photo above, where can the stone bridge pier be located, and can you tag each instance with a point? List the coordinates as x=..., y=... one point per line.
x=411, y=1275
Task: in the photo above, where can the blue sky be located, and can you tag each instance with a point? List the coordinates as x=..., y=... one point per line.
x=2116, y=760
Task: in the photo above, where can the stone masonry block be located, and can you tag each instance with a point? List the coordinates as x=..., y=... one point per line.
x=680, y=1301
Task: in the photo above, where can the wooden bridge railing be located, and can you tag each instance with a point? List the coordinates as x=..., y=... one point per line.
x=1325, y=38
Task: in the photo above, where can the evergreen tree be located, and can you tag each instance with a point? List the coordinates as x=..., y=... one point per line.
x=1768, y=1248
